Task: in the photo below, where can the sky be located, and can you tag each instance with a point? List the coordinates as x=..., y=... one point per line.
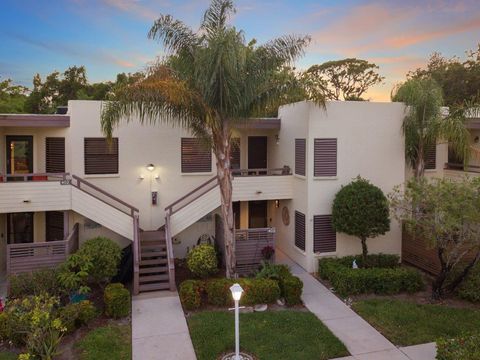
x=110, y=36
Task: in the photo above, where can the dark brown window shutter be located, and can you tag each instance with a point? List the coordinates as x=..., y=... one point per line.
x=300, y=156
x=54, y=154
x=324, y=236
x=53, y=225
x=300, y=231
x=325, y=157
x=101, y=156
x=431, y=157
x=196, y=157
x=235, y=154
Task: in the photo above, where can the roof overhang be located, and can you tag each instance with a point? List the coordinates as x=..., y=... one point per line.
x=34, y=120
x=259, y=124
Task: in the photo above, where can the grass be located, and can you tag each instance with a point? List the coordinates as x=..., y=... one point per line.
x=4, y=355
x=106, y=343
x=279, y=335
x=405, y=323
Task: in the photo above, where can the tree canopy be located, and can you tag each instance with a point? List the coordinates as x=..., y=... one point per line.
x=361, y=209
x=12, y=97
x=459, y=80
x=346, y=79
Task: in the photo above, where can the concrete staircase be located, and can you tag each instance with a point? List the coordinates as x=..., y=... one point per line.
x=153, y=269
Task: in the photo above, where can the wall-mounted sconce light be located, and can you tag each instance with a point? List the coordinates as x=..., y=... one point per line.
x=141, y=177
x=277, y=139
x=277, y=203
x=476, y=140
x=156, y=177
x=150, y=167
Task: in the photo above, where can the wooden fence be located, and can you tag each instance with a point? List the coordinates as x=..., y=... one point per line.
x=249, y=244
x=34, y=256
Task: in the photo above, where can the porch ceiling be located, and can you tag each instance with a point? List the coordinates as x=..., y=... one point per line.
x=34, y=120
x=260, y=123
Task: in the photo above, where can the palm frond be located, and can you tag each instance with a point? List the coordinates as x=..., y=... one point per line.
x=173, y=34
x=216, y=16
x=286, y=49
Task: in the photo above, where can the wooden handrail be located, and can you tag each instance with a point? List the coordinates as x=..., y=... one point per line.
x=80, y=181
x=136, y=254
x=169, y=208
x=26, y=177
x=170, y=258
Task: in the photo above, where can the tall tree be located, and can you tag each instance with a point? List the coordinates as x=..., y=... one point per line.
x=424, y=124
x=12, y=97
x=459, y=80
x=211, y=79
x=346, y=79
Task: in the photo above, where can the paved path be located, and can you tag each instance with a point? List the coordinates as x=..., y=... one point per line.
x=159, y=328
x=362, y=340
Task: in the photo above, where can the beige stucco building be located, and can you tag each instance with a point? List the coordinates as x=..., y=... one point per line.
x=287, y=172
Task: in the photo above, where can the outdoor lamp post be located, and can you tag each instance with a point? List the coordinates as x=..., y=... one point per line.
x=237, y=291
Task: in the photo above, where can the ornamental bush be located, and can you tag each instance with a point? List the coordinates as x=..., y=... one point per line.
x=465, y=348
x=35, y=283
x=292, y=288
x=191, y=294
x=75, y=315
x=379, y=280
x=117, y=301
x=202, y=261
x=218, y=292
x=361, y=209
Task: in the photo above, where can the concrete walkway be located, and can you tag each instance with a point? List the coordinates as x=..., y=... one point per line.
x=159, y=328
x=362, y=340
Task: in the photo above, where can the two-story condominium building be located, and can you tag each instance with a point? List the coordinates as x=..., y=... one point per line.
x=154, y=186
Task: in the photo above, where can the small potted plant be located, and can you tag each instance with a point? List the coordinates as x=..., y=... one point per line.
x=268, y=252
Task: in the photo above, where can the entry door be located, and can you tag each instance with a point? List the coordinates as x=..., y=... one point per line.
x=257, y=214
x=20, y=228
x=19, y=155
x=257, y=152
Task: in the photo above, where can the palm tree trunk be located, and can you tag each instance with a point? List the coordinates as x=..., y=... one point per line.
x=222, y=153
x=419, y=170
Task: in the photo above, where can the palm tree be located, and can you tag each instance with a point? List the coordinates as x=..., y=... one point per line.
x=210, y=80
x=425, y=124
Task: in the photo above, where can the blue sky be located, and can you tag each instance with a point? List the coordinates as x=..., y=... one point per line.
x=109, y=36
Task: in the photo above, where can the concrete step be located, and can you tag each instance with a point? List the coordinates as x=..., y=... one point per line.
x=149, y=254
x=153, y=287
x=153, y=270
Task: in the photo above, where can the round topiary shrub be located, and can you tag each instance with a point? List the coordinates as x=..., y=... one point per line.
x=105, y=255
x=117, y=301
x=361, y=209
x=202, y=261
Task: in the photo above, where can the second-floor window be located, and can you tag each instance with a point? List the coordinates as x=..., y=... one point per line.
x=325, y=157
x=196, y=156
x=300, y=156
x=55, y=154
x=101, y=156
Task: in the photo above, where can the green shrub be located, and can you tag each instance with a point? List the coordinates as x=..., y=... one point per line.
x=384, y=280
x=35, y=283
x=117, y=301
x=292, y=287
x=218, y=292
x=202, y=261
x=191, y=294
x=75, y=315
x=461, y=348
x=262, y=291
x=470, y=287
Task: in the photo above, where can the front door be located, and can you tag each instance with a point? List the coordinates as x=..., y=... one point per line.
x=20, y=228
x=257, y=214
x=19, y=155
x=257, y=152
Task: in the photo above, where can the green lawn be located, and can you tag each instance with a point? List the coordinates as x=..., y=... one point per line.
x=278, y=335
x=405, y=323
x=106, y=343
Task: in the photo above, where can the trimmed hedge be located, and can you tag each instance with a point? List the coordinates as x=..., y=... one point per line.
x=292, y=289
x=117, y=301
x=191, y=294
x=290, y=286
x=464, y=348
x=202, y=261
x=35, y=283
x=386, y=278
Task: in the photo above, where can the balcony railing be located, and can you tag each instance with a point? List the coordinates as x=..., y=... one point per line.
x=262, y=172
x=462, y=167
x=33, y=256
x=34, y=177
x=249, y=244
